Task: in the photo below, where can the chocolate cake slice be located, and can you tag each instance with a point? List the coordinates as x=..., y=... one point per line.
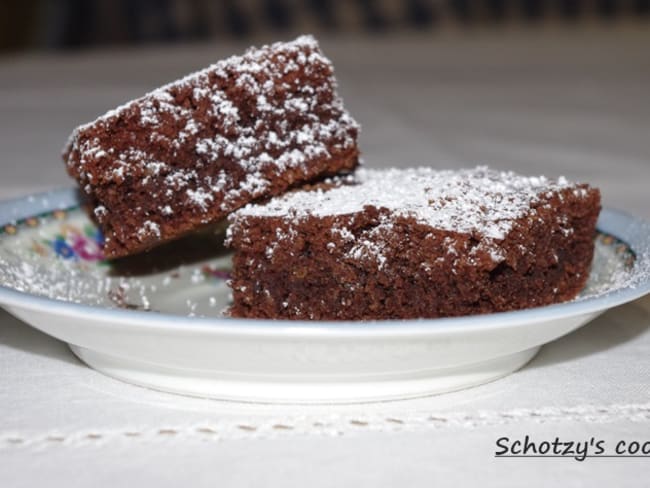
x=386, y=244
x=191, y=152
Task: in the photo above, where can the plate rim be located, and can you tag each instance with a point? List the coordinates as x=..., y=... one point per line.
x=39, y=203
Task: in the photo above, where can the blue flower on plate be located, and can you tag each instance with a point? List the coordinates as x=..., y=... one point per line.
x=63, y=249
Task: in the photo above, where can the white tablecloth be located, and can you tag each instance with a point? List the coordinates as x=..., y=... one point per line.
x=552, y=102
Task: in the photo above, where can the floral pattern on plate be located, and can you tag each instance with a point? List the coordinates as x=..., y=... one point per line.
x=66, y=246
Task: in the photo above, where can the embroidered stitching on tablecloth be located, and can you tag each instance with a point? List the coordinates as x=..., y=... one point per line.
x=334, y=425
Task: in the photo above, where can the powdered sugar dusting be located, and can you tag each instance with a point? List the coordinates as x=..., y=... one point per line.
x=479, y=201
x=244, y=121
x=149, y=228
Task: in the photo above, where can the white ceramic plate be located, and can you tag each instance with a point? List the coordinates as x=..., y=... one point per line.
x=156, y=320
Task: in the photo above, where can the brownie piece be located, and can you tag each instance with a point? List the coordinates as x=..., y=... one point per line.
x=191, y=152
x=387, y=244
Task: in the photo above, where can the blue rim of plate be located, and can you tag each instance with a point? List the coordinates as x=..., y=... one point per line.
x=633, y=231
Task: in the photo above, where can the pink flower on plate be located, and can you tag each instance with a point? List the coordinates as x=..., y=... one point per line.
x=87, y=249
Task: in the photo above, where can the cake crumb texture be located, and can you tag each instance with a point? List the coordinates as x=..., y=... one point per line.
x=387, y=244
x=192, y=151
